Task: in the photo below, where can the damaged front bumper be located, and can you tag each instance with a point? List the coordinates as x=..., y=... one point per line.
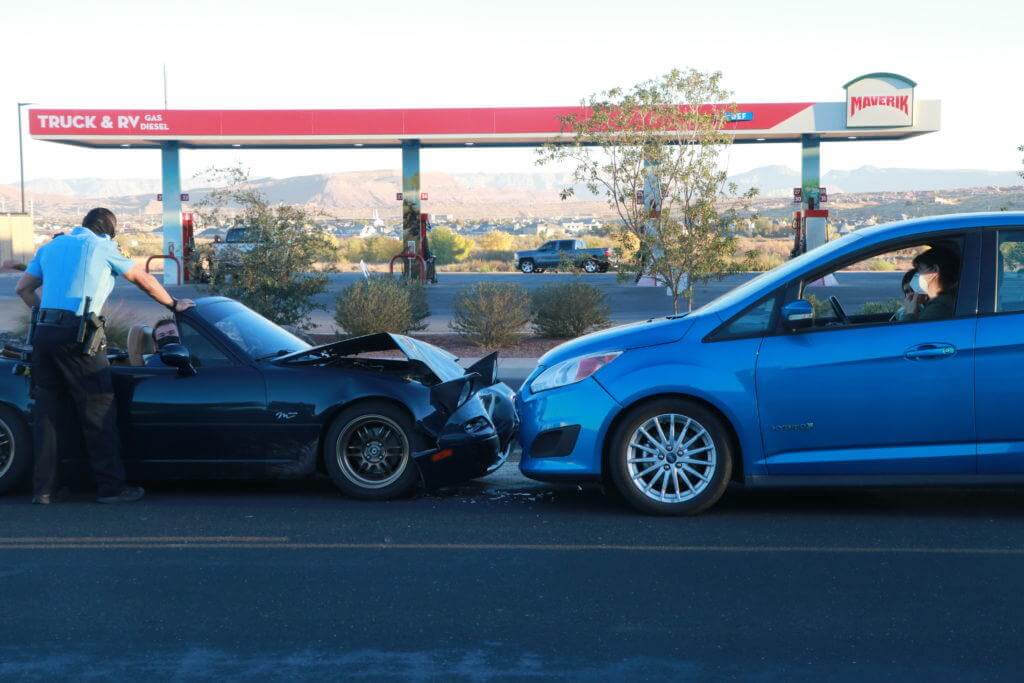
x=475, y=440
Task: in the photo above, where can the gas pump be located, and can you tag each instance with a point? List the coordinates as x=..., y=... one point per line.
x=417, y=260
x=188, y=244
x=799, y=245
x=809, y=228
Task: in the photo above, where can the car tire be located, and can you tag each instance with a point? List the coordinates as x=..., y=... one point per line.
x=15, y=451
x=526, y=266
x=372, y=434
x=650, y=471
x=591, y=266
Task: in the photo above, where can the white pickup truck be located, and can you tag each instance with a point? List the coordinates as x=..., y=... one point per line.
x=237, y=241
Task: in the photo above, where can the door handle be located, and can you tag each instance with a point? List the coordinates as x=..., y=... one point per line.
x=929, y=351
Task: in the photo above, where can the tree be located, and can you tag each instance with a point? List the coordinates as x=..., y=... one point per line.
x=668, y=136
x=448, y=246
x=496, y=240
x=276, y=277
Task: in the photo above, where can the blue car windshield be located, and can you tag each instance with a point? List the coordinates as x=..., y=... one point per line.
x=777, y=275
x=253, y=334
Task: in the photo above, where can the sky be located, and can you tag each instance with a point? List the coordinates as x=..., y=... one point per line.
x=450, y=53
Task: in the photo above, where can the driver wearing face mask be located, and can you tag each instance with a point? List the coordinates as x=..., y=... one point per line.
x=937, y=272
x=164, y=332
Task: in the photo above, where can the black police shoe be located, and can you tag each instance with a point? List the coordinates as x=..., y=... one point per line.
x=129, y=494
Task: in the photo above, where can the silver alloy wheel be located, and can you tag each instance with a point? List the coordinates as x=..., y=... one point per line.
x=526, y=266
x=6, y=448
x=372, y=451
x=590, y=266
x=671, y=458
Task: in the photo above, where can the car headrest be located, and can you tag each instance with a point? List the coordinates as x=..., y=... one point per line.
x=140, y=344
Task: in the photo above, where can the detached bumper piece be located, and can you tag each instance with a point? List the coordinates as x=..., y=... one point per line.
x=474, y=440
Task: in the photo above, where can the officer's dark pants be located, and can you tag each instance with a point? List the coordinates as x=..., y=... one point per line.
x=60, y=373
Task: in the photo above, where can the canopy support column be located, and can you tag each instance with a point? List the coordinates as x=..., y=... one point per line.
x=411, y=193
x=171, y=186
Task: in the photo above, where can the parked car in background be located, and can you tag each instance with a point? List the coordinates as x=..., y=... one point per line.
x=555, y=252
x=237, y=241
x=802, y=377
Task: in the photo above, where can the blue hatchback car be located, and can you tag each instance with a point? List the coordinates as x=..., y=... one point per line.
x=839, y=368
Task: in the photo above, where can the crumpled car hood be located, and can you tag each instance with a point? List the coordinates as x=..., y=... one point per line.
x=439, y=361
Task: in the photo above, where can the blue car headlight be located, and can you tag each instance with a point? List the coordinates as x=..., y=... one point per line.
x=572, y=371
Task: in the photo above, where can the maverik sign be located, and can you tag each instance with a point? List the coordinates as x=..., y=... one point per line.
x=880, y=100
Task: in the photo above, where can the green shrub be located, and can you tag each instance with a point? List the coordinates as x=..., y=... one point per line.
x=419, y=309
x=879, y=264
x=874, y=307
x=569, y=309
x=491, y=314
x=381, y=304
x=822, y=308
x=449, y=246
x=759, y=260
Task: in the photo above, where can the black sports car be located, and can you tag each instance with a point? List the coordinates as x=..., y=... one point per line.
x=241, y=397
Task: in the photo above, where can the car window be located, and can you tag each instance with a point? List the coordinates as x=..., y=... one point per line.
x=549, y=246
x=877, y=288
x=249, y=332
x=568, y=245
x=756, y=321
x=236, y=235
x=1010, y=273
x=204, y=353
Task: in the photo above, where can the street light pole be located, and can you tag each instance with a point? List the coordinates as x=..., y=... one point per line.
x=21, y=156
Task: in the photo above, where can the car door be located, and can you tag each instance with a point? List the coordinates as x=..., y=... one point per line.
x=1000, y=353
x=566, y=251
x=547, y=255
x=218, y=415
x=872, y=398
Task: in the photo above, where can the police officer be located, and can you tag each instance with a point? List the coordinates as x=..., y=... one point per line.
x=80, y=265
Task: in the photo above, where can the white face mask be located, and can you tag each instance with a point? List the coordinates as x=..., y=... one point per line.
x=919, y=284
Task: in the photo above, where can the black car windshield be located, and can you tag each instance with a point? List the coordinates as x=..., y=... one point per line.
x=253, y=334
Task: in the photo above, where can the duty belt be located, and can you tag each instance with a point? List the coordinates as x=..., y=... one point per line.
x=57, y=316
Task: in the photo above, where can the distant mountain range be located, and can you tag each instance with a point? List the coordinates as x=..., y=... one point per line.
x=473, y=195
x=779, y=180
x=98, y=188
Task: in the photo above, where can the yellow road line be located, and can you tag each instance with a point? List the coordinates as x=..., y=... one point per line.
x=142, y=539
x=205, y=543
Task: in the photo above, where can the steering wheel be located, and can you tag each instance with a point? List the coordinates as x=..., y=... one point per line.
x=838, y=309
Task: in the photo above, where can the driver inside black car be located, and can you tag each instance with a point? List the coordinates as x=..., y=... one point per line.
x=164, y=332
x=936, y=276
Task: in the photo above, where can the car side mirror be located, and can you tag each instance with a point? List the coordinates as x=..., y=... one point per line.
x=798, y=315
x=178, y=356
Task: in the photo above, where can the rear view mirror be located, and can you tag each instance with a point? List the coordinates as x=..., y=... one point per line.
x=177, y=356
x=798, y=315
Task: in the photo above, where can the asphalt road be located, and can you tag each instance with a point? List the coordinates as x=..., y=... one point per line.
x=628, y=303
x=510, y=580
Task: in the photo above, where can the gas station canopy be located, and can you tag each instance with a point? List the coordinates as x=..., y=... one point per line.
x=878, y=106
x=383, y=128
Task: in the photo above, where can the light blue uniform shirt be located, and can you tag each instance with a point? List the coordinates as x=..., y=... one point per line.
x=77, y=265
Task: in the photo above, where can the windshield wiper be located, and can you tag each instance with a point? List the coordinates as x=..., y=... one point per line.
x=276, y=354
